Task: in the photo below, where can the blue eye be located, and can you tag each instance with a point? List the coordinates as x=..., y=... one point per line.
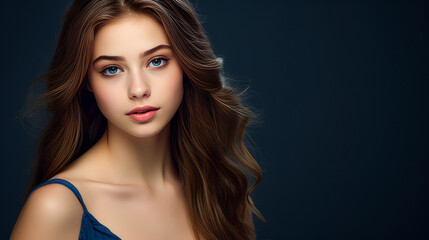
x=112, y=70
x=158, y=62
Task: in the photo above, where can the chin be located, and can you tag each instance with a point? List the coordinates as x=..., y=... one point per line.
x=142, y=131
x=145, y=135
x=148, y=132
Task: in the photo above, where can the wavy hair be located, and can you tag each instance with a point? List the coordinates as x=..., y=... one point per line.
x=208, y=148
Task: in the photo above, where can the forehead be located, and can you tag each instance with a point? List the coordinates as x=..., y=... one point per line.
x=128, y=35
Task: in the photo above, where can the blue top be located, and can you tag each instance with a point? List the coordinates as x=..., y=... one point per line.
x=90, y=227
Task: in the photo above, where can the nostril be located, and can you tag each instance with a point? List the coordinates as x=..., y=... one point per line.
x=139, y=93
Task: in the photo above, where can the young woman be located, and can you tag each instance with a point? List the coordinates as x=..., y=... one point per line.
x=146, y=138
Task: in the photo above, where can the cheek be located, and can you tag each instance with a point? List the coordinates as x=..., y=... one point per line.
x=105, y=96
x=175, y=87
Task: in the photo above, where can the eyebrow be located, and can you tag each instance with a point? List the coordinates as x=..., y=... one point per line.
x=119, y=58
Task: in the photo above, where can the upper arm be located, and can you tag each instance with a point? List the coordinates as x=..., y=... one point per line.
x=51, y=212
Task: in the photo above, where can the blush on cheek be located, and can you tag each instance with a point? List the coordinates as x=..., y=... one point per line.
x=176, y=87
x=105, y=99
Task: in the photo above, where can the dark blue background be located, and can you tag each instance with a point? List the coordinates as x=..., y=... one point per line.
x=343, y=91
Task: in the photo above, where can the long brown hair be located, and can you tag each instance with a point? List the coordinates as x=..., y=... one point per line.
x=208, y=148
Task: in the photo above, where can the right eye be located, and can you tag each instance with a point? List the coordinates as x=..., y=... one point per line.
x=111, y=71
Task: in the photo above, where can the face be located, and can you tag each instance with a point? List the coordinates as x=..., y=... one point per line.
x=132, y=66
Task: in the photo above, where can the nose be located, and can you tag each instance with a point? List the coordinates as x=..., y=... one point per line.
x=138, y=86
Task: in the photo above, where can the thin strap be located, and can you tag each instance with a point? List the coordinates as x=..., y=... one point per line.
x=66, y=183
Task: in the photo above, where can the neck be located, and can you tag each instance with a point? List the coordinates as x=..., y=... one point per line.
x=138, y=161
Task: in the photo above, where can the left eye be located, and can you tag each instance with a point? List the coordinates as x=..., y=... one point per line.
x=158, y=62
x=112, y=70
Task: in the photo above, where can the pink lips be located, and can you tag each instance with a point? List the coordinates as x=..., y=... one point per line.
x=142, y=114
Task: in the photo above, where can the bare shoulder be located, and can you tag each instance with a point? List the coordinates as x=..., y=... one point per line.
x=51, y=212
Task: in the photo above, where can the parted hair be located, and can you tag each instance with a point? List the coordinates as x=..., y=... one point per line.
x=207, y=131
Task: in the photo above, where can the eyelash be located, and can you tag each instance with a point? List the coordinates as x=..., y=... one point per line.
x=116, y=67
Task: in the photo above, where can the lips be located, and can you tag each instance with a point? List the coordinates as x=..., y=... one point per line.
x=143, y=109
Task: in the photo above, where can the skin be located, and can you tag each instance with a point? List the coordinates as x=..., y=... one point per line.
x=127, y=179
x=136, y=152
